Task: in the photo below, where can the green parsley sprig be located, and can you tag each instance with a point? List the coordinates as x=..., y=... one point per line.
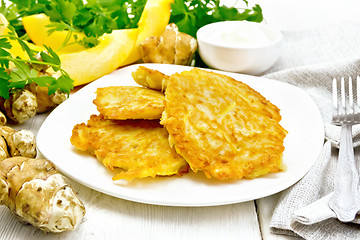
x=96, y=17
x=24, y=73
x=93, y=18
x=190, y=15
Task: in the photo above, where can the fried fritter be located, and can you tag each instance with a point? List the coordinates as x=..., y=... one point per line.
x=127, y=102
x=222, y=127
x=139, y=147
x=150, y=78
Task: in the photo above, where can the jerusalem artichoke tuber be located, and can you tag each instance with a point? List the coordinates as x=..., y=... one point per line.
x=32, y=188
x=172, y=47
x=16, y=143
x=5, y=131
x=3, y=119
x=23, y=104
x=21, y=143
x=4, y=153
x=37, y=193
x=45, y=101
x=20, y=107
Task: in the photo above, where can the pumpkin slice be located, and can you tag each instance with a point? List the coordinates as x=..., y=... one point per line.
x=16, y=50
x=92, y=63
x=3, y=24
x=117, y=49
x=153, y=21
x=36, y=28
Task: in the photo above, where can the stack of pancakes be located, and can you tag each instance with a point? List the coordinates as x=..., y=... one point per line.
x=195, y=119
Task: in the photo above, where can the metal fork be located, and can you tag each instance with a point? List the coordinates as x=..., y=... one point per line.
x=345, y=201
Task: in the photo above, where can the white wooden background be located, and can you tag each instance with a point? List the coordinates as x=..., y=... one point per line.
x=111, y=218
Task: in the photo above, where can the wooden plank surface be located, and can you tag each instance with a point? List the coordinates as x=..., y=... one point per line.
x=111, y=218
x=265, y=207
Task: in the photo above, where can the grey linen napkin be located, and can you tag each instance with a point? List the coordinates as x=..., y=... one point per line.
x=310, y=60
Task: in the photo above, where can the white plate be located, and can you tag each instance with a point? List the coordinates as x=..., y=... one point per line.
x=303, y=143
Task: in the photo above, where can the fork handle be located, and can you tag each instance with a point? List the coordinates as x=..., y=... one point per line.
x=345, y=201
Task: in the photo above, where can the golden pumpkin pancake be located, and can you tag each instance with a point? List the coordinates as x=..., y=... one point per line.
x=150, y=78
x=138, y=147
x=127, y=102
x=221, y=126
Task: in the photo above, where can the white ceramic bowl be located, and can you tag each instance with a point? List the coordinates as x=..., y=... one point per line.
x=239, y=46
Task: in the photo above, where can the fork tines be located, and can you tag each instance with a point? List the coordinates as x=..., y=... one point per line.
x=346, y=101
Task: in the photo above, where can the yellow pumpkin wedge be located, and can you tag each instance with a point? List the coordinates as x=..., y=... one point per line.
x=36, y=28
x=119, y=48
x=153, y=21
x=92, y=63
x=3, y=24
x=16, y=50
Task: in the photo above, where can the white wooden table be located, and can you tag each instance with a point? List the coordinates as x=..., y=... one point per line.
x=112, y=218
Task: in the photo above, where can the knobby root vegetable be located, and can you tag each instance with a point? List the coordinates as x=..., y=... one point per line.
x=45, y=101
x=38, y=194
x=16, y=143
x=24, y=103
x=3, y=119
x=4, y=153
x=5, y=131
x=172, y=47
x=33, y=189
x=20, y=107
x=21, y=143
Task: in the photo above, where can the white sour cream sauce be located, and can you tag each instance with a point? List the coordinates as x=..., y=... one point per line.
x=241, y=34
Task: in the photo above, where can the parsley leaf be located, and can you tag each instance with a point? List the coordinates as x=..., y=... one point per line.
x=44, y=81
x=51, y=57
x=63, y=83
x=91, y=17
x=24, y=46
x=190, y=15
x=3, y=74
x=4, y=89
x=24, y=73
x=96, y=17
x=4, y=45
